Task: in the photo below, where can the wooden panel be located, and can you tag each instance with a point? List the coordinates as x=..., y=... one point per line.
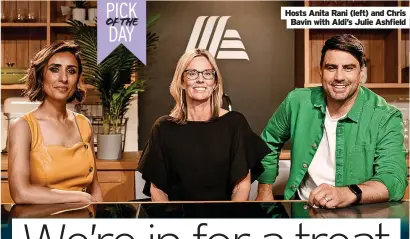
x=407, y=194
x=9, y=51
x=299, y=58
x=392, y=94
x=34, y=45
x=10, y=9
x=43, y=43
x=60, y=33
x=366, y=45
x=43, y=11
x=3, y=12
x=19, y=41
x=381, y=48
x=404, y=55
x=3, y=61
x=128, y=162
x=9, y=45
x=56, y=14
x=20, y=44
x=119, y=192
x=116, y=186
x=406, y=50
x=362, y=3
x=22, y=53
x=34, y=7
x=5, y=192
x=376, y=56
x=110, y=176
x=22, y=8
x=391, y=57
x=317, y=41
x=116, y=177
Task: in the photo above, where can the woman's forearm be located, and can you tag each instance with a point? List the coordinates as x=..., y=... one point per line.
x=33, y=194
x=157, y=195
x=97, y=195
x=96, y=190
x=242, y=189
x=241, y=193
x=44, y=210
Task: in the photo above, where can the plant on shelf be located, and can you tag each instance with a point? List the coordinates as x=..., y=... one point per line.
x=78, y=11
x=109, y=76
x=115, y=77
x=80, y=4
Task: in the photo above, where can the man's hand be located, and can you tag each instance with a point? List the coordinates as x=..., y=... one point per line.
x=328, y=196
x=265, y=192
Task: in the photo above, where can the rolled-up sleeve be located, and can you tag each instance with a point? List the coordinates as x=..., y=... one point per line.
x=390, y=159
x=275, y=134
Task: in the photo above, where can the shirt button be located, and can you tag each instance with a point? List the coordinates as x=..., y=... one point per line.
x=304, y=165
x=293, y=186
x=91, y=169
x=314, y=145
x=84, y=189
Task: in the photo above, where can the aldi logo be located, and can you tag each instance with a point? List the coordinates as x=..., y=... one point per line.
x=210, y=33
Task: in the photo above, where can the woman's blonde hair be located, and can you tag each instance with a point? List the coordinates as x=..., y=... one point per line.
x=179, y=112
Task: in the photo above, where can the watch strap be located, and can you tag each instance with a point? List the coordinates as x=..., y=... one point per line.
x=357, y=191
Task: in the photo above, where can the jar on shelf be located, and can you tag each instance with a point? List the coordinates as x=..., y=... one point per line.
x=20, y=15
x=32, y=16
x=4, y=17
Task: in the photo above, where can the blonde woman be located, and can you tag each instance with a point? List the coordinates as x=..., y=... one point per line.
x=200, y=152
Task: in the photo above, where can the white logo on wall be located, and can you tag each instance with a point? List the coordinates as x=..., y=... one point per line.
x=231, y=46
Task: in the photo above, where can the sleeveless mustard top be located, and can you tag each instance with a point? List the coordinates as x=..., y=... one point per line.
x=59, y=167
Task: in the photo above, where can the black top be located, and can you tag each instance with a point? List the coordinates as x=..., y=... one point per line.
x=201, y=161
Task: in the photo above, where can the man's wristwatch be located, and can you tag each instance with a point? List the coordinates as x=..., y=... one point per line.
x=357, y=191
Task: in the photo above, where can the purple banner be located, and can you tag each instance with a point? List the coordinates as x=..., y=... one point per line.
x=121, y=22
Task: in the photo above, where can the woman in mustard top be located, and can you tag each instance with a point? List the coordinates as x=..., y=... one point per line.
x=51, y=153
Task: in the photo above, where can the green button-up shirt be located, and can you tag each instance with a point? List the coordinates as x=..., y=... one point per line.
x=369, y=141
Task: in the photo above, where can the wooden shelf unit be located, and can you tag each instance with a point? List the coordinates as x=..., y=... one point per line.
x=374, y=85
x=386, y=49
x=34, y=24
x=21, y=87
x=12, y=87
x=20, y=41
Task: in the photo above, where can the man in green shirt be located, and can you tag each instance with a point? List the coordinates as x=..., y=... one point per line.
x=347, y=143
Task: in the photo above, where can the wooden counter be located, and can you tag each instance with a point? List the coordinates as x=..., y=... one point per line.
x=116, y=177
x=129, y=161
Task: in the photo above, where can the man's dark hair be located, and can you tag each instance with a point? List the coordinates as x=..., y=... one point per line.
x=347, y=43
